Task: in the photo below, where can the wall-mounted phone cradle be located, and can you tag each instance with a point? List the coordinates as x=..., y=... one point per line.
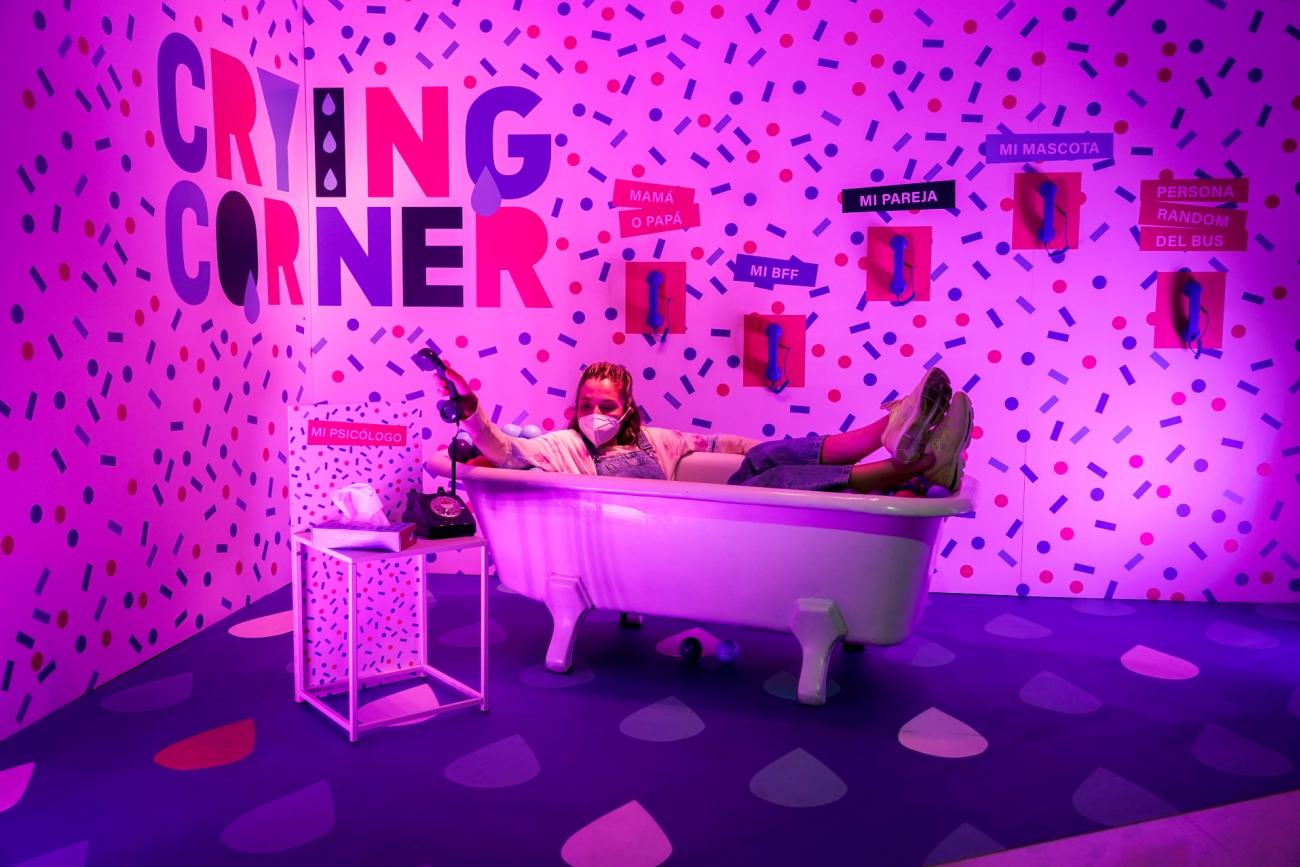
x=655, y=298
x=898, y=264
x=1045, y=211
x=774, y=351
x=1189, y=310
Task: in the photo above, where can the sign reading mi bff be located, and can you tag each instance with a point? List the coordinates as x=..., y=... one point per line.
x=767, y=273
x=1174, y=214
x=1038, y=147
x=939, y=195
x=656, y=208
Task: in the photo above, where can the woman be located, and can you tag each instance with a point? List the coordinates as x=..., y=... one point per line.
x=925, y=433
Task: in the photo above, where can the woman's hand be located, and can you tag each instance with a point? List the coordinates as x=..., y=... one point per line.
x=469, y=399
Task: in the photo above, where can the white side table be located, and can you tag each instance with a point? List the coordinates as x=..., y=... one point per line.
x=352, y=557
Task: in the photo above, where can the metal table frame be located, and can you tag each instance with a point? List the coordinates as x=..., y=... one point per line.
x=352, y=557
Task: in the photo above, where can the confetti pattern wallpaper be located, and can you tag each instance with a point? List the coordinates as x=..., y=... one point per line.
x=222, y=210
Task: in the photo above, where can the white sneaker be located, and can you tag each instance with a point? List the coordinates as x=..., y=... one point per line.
x=948, y=440
x=912, y=417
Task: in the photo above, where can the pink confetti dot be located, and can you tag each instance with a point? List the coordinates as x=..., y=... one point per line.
x=1153, y=594
x=1045, y=576
x=1119, y=322
x=1067, y=533
x=1146, y=538
x=1162, y=491
x=1089, y=362
x=1076, y=586
x=1179, y=398
x=1264, y=469
x=1135, y=461
x=338, y=376
x=1061, y=467
x=1218, y=404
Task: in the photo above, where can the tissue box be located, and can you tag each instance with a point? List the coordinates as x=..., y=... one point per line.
x=348, y=534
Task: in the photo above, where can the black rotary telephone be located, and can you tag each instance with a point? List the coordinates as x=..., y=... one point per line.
x=442, y=515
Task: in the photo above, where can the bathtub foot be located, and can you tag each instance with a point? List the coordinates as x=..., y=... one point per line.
x=630, y=621
x=818, y=625
x=568, y=603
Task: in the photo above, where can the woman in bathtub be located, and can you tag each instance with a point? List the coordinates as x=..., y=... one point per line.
x=925, y=433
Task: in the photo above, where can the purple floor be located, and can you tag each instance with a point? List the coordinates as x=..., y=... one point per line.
x=1005, y=722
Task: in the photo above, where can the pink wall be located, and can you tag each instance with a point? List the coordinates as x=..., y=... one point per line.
x=143, y=435
x=1109, y=466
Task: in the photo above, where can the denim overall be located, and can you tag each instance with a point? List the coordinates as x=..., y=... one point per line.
x=791, y=463
x=638, y=463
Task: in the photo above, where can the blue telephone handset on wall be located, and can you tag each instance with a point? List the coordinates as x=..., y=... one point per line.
x=897, y=283
x=1047, y=232
x=773, y=372
x=656, y=320
x=1193, y=332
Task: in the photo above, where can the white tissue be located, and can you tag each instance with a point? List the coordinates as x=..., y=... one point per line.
x=360, y=504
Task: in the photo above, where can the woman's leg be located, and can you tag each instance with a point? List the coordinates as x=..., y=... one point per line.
x=884, y=475
x=854, y=445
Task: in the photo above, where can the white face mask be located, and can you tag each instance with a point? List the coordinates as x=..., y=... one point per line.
x=600, y=429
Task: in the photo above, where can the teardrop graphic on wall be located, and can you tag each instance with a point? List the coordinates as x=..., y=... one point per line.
x=329, y=144
x=252, y=304
x=327, y=104
x=331, y=182
x=486, y=197
x=628, y=837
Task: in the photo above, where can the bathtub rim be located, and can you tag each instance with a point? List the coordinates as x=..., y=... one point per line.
x=962, y=503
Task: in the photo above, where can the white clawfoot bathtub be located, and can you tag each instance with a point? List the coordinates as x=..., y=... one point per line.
x=824, y=566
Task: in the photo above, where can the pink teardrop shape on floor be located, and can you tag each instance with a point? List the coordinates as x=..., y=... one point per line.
x=13, y=784
x=627, y=837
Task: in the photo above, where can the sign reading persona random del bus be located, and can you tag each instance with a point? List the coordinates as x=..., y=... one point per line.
x=1176, y=215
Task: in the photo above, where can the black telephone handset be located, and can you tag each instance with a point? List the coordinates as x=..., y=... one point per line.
x=453, y=408
x=442, y=515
